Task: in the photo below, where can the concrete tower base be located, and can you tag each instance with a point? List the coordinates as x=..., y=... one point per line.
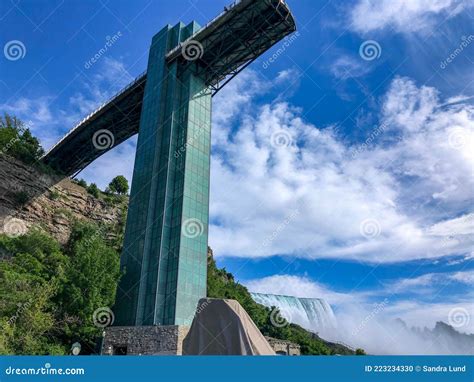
x=144, y=340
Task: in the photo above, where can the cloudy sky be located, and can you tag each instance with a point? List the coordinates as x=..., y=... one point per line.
x=342, y=159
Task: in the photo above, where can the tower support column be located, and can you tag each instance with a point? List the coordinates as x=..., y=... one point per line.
x=164, y=257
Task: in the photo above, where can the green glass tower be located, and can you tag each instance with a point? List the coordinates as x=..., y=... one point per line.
x=164, y=256
x=165, y=248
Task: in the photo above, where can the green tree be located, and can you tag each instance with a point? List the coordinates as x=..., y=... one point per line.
x=119, y=185
x=92, y=280
x=29, y=282
x=17, y=140
x=93, y=190
x=82, y=183
x=48, y=294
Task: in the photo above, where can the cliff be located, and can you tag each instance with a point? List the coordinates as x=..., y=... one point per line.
x=31, y=197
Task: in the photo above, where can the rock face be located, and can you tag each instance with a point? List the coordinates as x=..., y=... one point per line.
x=30, y=198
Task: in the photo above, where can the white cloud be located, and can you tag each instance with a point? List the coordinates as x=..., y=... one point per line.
x=403, y=15
x=345, y=67
x=436, y=146
x=466, y=277
x=379, y=202
x=463, y=225
x=429, y=283
x=366, y=319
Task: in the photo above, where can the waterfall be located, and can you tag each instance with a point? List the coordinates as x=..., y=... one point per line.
x=314, y=314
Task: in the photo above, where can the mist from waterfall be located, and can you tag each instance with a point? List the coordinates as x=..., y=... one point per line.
x=313, y=314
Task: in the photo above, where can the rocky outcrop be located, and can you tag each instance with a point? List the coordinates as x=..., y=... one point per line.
x=29, y=197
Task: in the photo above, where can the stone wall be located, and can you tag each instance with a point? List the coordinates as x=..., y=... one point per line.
x=283, y=347
x=144, y=340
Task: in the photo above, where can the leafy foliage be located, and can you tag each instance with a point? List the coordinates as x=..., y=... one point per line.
x=17, y=140
x=82, y=183
x=48, y=294
x=93, y=190
x=119, y=185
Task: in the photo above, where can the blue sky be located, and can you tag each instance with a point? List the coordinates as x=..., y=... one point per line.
x=337, y=172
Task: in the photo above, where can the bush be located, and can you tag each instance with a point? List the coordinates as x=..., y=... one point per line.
x=54, y=194
x=93, y=190
x=82, y=183
x=21, y=197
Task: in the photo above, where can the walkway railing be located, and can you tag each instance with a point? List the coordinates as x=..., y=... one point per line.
x=90, y=115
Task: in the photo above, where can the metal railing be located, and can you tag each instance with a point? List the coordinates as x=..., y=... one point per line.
x=90, y=115
x=226, y=10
